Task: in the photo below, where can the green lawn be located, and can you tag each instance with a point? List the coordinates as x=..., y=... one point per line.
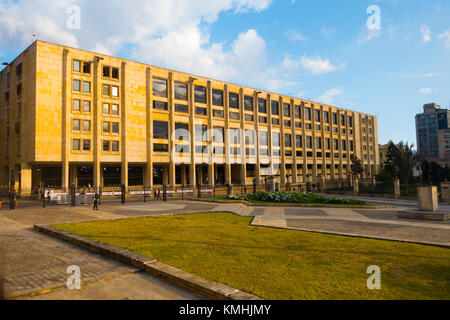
x=279, y=264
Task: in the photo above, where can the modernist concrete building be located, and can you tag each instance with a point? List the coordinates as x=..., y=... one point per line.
x=69, y=116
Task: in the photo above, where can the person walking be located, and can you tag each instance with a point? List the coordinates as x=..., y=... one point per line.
x=159, y=194
x=96, y=201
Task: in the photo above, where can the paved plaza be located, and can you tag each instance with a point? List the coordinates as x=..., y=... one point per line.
x=34, y=265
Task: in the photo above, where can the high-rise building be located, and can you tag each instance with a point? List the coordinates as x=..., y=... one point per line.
x=74, y=117
x=433, y=133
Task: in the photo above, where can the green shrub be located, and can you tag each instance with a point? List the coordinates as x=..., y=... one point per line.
x=293, y=197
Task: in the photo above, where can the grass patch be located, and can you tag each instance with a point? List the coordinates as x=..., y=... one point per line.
x=278, y=264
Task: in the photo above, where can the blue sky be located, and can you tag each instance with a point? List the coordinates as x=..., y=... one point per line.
x=320, y=50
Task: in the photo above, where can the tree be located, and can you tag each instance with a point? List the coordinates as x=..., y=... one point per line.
x=356, y=167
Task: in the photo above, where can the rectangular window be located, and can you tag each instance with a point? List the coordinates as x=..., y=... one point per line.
x=115, y=127
x=106, y=71
x=106, y=109
x=351, y=145
x=76, y=85
x=235, y=136
x=262, y=119
x=115, y=91
x=344, y=145
x=298, y=112
x=201, y=111
x=307, y=114
x=181, y=131
x=180, y=148
x=19, y=90
x=86, y=106
x=287, y=123
x=218, y=113
x=250, y=152
x=218, y=134
x=217, y=98
x=326, y=117
x=200, y=94
x=76, y=125
x=262, y=106
x=115, y=109
x=87, y=125
x=201, y=150
x=163, y=148
x=275, y=108
x=106, y=90
x=181, y=108
x=249, y=117
x=343, y=120
x=335, y=119
x=181, y=91
x=160, y=105
x=106, y=146
x=160, y=88
x=276, y=139
x=309, y=143
x=248, y=103
x=318, y=143
x=86, y=86
x=219, y=150
x=76, y=105
x=201, y=133
x=235, y=116
x=288, y=141
x=336, y=144
x=287, y=110
x=86, y=145
x=299, y=141
x=115, y=75
x=76, y=144
x=235, y=151
x=106, y=127
x=76, y=65
x=328, y=143
x=263, y=138
x=317, y=115
x=160, y=130
x=115, y=146
x=234, y=101
x=87, y=67
x=350, y=122
x=250, y=137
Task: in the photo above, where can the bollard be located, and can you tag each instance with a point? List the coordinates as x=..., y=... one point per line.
x=73, y=197
x=123, y=194
x=199, y=191
x=164, y=192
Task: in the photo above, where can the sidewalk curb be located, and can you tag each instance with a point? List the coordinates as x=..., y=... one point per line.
x=203, y=287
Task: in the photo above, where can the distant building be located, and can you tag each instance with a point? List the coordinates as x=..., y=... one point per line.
x=383, y=153
x=433, y=133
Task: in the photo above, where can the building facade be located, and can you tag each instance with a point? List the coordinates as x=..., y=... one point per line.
x=433, y=133
x=73, y=117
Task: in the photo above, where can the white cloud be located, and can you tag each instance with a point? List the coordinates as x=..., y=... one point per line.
x=329, y=96
x=417, y=76
x=426, y=34
x=368, y=35
x=425, y=90
x=317, y=65
x=294, y=36
x=445, y=36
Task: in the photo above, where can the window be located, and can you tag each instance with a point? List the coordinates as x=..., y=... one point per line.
x=19, y=90
x=351, y=145
x=250, y=137
x=276, y=139
x=115, y=91
x=335, y=121
x=328, y=143
x=182, y=131
x=217, y=98
x=263, y=138
x=160, y=88
x=180, y=148
x=218, y=134
x=235, y=116
x=249, y=117
x=181, y=108
x=326, y=117
x=160, y=130
x=87, y=67
x=76, y=66
x=218, y=113
x=76, y=105
x=318, y=143
x=248, y=103
x=106, y=108
x=106, y=146
x=115, y=146
x=342, y=120
x=275, y=108
x=235, y=136
x=219, y=150
x=288, y=123
x=86, y=86
x=298, y=112
x=344, y=145
x=87, y=125
x=106, y=72
x=298, y=124
x=307, y=114
x=309, y=144
x=157, y=147
x=350, y=122
x=106, y=90
x=115, y=127
x=86, y=106
x=235, y=151
x=299, y=141
x=76, y=125
x=201, y=111
x=317, y=115
x=106, y=127
x=288, y=141
x=250, y=152
x=200, y=94
x=262, y=119
x=115, y=109
x=234, y=101
x=181, y=91
x=287, y=110
x=76, y=85
x=201, y=133
x=86, y=145
x=336, y=144
x=262, y=106
x=201, y=149
x=115, y=75
x=159, y=105
x=76, y=145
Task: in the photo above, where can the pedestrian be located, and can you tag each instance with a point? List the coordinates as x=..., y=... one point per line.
x=96, y=201
x=155, y=195
x=49, y=198
x=159, y=194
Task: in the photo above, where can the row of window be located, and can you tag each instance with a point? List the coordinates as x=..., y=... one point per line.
x=85, y=145
x=85, y=106
x=84, y=67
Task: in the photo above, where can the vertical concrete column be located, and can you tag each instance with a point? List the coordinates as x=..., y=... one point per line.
x=314, y=143
x=211, y=176
x=428, y=198
x=172, y=170
x=377, y=146
x=97, y=110
x=74, y=176
x=294, y=145
x=355, y=185
x=282, y=142
x=149, y=99
x=305, y=160
x=242, y=138
x=124, y=109
x=227, y=136
x=258, y=152
x=65, y=143
x=192, y=171
x=25, y=180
